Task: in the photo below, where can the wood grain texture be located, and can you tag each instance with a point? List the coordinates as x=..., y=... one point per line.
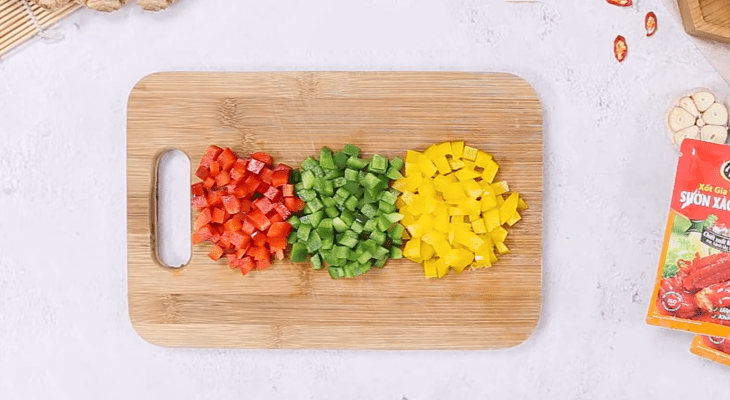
x=706, y=18
x=291, y=115
x=16, y=25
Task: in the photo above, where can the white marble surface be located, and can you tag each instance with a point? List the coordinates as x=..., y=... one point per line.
x=64, y=326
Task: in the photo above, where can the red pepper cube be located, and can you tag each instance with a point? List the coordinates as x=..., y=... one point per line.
x=223, y=179
x=216, y=253
x=248, y=227
x=240, y=165
x=252, y=183
x=218, y=216
x=287, y=190
x=246, y=205
x=215, y=169
x=277, y=243
x=283, y=212
x=225, y=241
x=247, y=265
x=211, y=153
x=197, y=189
x=263, y=187
x=234, y=224
x=279, y=254
x=255, y=166
x=258, y=219
x=203, y=218
x=226, y=159
x=279, y=230
x=204, y=233
x=233, y=262
x=263, y=157
x=264, y=204
x=263, y=264
x=273, y=194
x=236, y=175
x=282, y=167
x=241, y=190
x=202, y=172
x=280, y=178
x=231, y=204
x=199, y=202
x=266, y=175
x=294, y=204
x=275, y=217
x=260, y=239
x=214, y=198
x=209, y=183
x=238, y=239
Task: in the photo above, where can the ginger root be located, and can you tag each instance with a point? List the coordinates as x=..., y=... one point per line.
x=103, y=5
x=52, y=5
x=154, y=5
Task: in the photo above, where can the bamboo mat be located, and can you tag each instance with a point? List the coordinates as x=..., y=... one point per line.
x=17, y=26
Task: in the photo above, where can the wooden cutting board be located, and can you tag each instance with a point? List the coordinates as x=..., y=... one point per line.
x=291, y=115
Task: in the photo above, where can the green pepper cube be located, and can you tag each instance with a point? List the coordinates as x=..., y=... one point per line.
x=380, y=262
x=327, y=242
x=340, y=159
x=352, y=151
x=339, y=225
x=369, y=211
x=328, y=189
x=386, y=208
x=339, y=182
x=378, y=164
x=370, y=225
x=298, y=252
x=293, y=221
x=353, y=187
x=351, y=255
x=316, y=217
x=388, y=197
x=306, y=194
x=396, y=253
x=316, y=261
x=335, y=272
x=314, y=242
x=292, y=237
x=307, y=179
x=351, y=203
x=332, y=211
x=341, y=251
x=393, y=174
x=309, y=163
x=370, y=181
x=325, y=158
x=361, y=268
x=356, y=226
x=378, y=237
x=351, y=175
x=365, y=256
x=396, y=232
x=356, y=163
x=381, y=252
x=383, y=223
x=303, y=232
x=393, y=217
x=349, y=239
x=315, y=204
x=347, y=217
x=343, y=192
x=397, y=163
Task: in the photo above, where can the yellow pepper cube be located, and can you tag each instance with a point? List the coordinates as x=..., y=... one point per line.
x=444, y=149
x=408, y=218
x=399, y=184
x=488, y=244
x=509, y=208
x=488, y=202
x=429, y=268
x=427, y=251
x=423, y=225
x=407, y=196
x=500, y=187
x=440, y=181
x=474, y=243
x=473, y=218
x=427, y=167
x=490, y=171
x=441, y=267
x=470, y=164
x=521, y=205
x=471, y=206
x=412, y=168
x=493, y=258
x=441, y=247
x=430, y=151
x=491, y=219
x=442, y=165
x=400, y=203
x=453, y=192
x=456, y=164
x=458, y=259
x=412, y=250
x=457, y=149
x=472, y=188
x=482, y=261
x=482, y=159
x=498, y=234
x=516, y=217
x=456, y=211
x=478, y=226
x=412, y=156
x=426, y=187
x=500, y=200
x=457, y=219
x=501, y=248
x=441, y=221
x=465, y=174
x=431, y=237
x=470, y=153
x=413, y=181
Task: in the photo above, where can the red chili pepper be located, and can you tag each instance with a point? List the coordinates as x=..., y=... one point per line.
x=620, y=3
x=620, y=48
x=650, y=23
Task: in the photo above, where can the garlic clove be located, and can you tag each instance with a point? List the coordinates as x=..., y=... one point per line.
x=693, y=132
x=689, y=105
x=703, y=100
x=715, y=115
x=713, y=133
x=700, y=122
x=679, y=119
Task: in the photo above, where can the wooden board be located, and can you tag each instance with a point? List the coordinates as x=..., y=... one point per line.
x=17, y=25
x=706, y=18
x=291, y=115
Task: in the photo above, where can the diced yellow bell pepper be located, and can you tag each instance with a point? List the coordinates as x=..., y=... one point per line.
x=399, y=184
x=408, y=218
x=488, y=202
x=521, y=205
x=456, y=211
x=440, y=181
x=412, y=168
x=455, y=219
x=441, y=246
x=427, y=251
x=456, y=164
x=470, y=153
x=412, y=156
x=427, y=167
x=442, y=165
x=490, y=171
x=498, y=234
x=441, y=267
x=472, y=188
x=400, y=203
x=427, y=188
x=478, y=226
x=475, y=217
x=430, y=151
x=465, y=174
x=429, y=268
x=412, y=250
x=482, y=159
x=407, y=196
x=458, y=259
x=491, y=219
x=500, y=187
x=500, y=200
x=454, y=192
x=501, y=248
x=509, y=208
x=441, y=220
x=516, y=217
x=457, y=149
x=444, y=149
x=471, y=206
x=488, y=244
x=413, y=181
x=431, y=237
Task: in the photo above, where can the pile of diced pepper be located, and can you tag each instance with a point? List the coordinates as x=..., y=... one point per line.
x=347, y=213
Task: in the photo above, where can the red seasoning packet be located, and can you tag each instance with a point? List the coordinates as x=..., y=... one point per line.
x=713, y=348
x=692, y=290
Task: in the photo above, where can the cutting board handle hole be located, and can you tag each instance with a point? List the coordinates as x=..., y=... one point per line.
x=174, y=248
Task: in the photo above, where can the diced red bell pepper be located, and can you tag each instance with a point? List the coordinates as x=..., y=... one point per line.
x=241, y=166
x=279, y=254
x=215, y=198
x=211, y=153
x=252, y=183
x=197, y=189
x=274, y=217
x=263, y=187
x=204, y=233
x=215, y=169
x=225, y=241
x=203, y=218
x=273, y=194
x=277, y=243
x=196, y=238
x=258, y=219
x=263, y=204
x=260, y=239
x=218, y=216
x=233, y=262
x=216, y=253
x=241, y=191
x=263, y=264
x=266, y=175
x=279, y=178
x=199, y=202
x=222, y=179
x=231, y=203
x=294, y=204
x=246, y=205
x=263, y=157
x=255, y=166
x=234, y=224
x=236, y=176
x=257, y=252
x=283, y=212
x=202, y=172
x=226, y=159
x=216, y=237
x=209, y=183
x=279, y=230
x=247, y=265
x=247, y=227
x=239, y=240
x=287, y=190
x=282, y=167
